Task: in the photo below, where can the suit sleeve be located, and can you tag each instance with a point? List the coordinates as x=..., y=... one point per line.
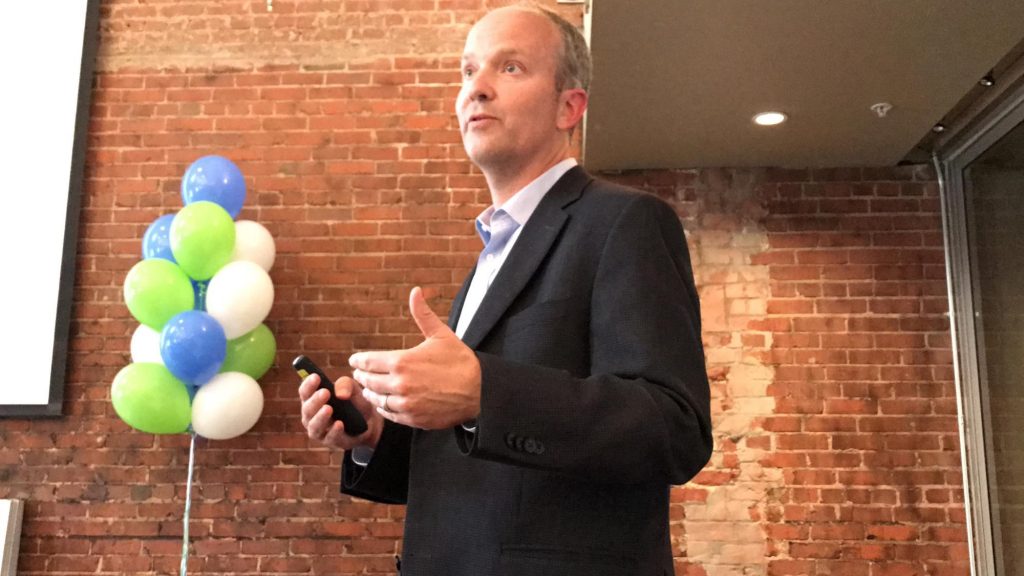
x=386, y=478
x=643, y=414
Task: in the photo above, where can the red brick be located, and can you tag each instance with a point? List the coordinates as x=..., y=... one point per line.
x=894, y=533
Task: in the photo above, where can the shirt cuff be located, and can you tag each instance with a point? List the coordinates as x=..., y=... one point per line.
x=362, y=455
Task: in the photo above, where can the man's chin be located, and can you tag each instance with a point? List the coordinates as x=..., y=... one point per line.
x=484, y=157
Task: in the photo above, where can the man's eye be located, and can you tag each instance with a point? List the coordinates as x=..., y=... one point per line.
x=512, y=68
x=467, y=72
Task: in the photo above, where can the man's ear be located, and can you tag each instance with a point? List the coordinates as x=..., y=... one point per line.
x=572, y=103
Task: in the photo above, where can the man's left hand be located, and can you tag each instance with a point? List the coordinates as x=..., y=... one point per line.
x=432, y=386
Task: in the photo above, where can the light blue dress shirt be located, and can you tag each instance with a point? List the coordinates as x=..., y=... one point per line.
x=516, y=212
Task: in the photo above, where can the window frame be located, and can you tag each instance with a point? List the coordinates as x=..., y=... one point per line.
x=968, y=362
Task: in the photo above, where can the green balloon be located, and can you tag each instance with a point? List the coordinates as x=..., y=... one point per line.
x=202, y=239
x=149, y=398
x=155, y=290
x=251, y=354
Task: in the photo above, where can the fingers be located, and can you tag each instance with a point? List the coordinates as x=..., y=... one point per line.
x=395, y=416
x=308, y=387
x=379, y=383
x=336, y=436
x=343, y=387
x=318, y=419
x=385, y=403
x=316, y=414
x=381, y=362
x=428, y=322
x=312, y=398
x=319, y=423
x=388, y=406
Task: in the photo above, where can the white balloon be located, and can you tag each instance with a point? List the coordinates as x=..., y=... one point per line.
x=254, y=243
x=239, y=297
x=226, y=406
x=145, y=345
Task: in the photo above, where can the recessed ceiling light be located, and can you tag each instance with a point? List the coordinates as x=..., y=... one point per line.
x=769, y=118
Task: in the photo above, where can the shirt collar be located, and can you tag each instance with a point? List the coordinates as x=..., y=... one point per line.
x=523, y=203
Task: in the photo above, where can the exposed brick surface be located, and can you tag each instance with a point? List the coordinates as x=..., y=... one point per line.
x=864, y=426
x=823, y=302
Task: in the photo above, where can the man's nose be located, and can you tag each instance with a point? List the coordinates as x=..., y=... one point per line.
x=480, y=87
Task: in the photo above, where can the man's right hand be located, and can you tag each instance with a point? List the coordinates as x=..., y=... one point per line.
x=316, y=414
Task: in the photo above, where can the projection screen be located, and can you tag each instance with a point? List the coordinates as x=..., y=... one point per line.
x=48, y=56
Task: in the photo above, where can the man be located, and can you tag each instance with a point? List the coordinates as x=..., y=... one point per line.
x=542, y=435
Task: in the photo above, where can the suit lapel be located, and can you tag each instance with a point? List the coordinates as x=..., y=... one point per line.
x=535, y=241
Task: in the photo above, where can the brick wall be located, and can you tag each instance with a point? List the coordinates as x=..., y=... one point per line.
x=823, y=302
x=865, y=419
x=824, y=305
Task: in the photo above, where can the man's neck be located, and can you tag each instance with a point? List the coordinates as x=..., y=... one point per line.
x=504, y=183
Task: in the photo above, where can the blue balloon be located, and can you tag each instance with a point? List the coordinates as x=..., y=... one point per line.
x=199, y=288
x=156, y=242
x=215, y=179
x=193, y=346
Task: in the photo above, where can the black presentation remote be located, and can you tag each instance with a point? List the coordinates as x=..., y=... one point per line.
x=342, y=410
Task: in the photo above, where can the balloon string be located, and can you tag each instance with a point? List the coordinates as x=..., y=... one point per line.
x=188, y=505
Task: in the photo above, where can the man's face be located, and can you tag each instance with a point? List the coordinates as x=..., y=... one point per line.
x=508, y=106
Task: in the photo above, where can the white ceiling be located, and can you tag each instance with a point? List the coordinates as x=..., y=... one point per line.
x=676, y=82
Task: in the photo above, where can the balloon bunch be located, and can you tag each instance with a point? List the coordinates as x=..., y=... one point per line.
x=200, y=294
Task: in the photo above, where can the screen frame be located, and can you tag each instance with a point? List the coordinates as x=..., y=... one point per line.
x=65, y=298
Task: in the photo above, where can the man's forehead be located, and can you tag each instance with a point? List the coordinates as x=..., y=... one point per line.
x=510, y=13
x=510, y=32
x=513, y=23
x=499, y=52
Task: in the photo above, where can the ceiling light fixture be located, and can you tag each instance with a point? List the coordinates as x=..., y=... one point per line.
x=881, y=109
x=987, y=80
x=770, y=118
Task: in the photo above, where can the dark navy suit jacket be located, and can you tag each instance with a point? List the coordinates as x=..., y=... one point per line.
x=594, y=401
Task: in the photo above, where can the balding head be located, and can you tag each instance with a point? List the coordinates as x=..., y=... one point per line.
x=574, y=66
x=519, y=103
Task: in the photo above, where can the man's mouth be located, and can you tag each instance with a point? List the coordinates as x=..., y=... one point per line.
x=479, y=118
